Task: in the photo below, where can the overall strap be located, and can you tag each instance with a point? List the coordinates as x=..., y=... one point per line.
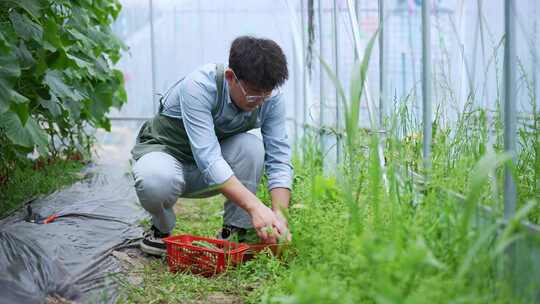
x=163, y=97
x=220, y=70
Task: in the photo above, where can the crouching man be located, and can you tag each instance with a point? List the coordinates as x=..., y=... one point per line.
x=197, y=145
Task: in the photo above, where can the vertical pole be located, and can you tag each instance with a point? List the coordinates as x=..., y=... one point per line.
x=357, y=10
x=153, y=56
x=296, y=96
x=382, y=65
x=426, y=81
x=304, y=66
x=472, y=80
x=336, y=67
x=509, y=107
x=535, y=58
x=510, y=192
x=403, y=74
x=321, y=79
x=413, y=61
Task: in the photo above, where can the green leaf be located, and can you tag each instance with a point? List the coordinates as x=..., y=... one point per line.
x=78, y=62
x=101, y=101
x=9, y=66
x=10, y=98
x=18, y=98
x=5, y=95
x=54, y=79
x=22, y=110
x=5, y=47
x=51, y=37
x=26, y=28
x=357, y=89
x=26, y=135
x=74, y=109
x=32, y=7
x=78, y=36
x=102, y=65
x=53, y=105
x=24, y=55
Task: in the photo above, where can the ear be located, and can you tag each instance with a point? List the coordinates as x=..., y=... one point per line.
x=229, y=75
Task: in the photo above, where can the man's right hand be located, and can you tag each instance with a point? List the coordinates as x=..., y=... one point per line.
x=269, y=228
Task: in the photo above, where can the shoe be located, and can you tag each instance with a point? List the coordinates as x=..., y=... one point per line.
x=153, y=244
x=238, y=235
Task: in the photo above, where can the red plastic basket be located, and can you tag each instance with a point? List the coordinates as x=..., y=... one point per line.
x=183, y=255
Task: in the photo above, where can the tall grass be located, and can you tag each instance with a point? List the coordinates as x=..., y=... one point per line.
x=414, y=241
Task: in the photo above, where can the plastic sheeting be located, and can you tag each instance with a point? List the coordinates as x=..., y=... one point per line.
x=71, y=257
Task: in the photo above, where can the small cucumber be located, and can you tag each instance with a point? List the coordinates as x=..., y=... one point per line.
x=204, y=244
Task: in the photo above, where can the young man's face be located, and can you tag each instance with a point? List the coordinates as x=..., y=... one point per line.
x=245, y=96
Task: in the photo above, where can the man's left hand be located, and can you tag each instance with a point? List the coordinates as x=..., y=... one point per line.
x=281, y=218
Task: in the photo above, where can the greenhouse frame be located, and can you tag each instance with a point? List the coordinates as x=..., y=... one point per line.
x=415, y=135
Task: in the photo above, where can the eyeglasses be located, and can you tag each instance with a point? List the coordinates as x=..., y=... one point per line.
x=252, y=98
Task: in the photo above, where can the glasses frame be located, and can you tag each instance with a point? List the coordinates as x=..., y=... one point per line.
x=252, y=98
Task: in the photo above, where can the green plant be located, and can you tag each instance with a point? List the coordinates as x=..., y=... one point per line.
x=56, y=75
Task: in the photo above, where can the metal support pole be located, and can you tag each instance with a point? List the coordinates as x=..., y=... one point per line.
x=403, y=75
x=535, y=59
x=357, y=10
x=336, y=67
x=413, y=62
x=296, y=97
x=510, y=192
x=321, y=79
x=153, y=56
x=304, y=66
x=382, y=65
x=426, y=82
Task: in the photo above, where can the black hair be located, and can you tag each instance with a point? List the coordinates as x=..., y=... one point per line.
x=259, y=62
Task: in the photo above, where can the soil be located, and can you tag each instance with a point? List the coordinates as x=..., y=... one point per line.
x=55, y=299
x=221, y=298
x=132, y=261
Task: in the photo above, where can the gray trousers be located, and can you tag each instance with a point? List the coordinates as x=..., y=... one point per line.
x=160, y=179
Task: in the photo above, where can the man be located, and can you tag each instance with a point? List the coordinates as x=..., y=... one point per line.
x=197, y=146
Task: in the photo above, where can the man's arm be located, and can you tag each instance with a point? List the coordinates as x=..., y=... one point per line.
x=280, y=198
x=280, y=202
x=198, y=122
x=277, y=157
x=267, y=223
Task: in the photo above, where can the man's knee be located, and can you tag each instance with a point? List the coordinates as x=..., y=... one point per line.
x=157, y=186
x=243, y=148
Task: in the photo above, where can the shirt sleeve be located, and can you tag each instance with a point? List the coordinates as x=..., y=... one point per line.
x=199, y=124
x=277, y=159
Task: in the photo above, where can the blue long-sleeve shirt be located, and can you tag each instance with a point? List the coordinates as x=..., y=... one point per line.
x=192, y=101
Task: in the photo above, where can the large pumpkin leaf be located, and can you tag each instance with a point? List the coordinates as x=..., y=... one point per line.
x=54, y=79
x=9, y=66
x=5, y=95
x=22, y=111
x=32, y=7
x=51, y=39
x=74, y=109
x=26, y=28
x=24, y=55
x=26, y=135
x=9, y=97
x=53, y=105
x=5, y=46
x=18, y=98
